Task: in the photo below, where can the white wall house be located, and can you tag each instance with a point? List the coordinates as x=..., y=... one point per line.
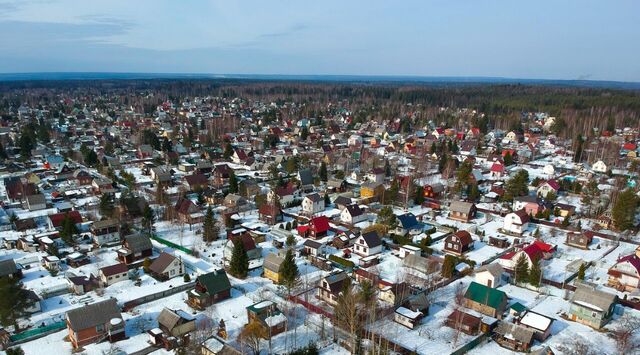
x=516, y=222
x=599, y=167
x=312, y=204
x=368, y=244
x=352, y=214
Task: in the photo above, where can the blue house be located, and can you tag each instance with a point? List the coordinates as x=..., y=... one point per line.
x=408, y=224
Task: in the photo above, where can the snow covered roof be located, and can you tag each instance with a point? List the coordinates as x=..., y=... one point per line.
x=536, y=321
x=405, y=312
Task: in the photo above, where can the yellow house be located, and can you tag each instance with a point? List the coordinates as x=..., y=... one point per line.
x=272, y=267
x=370, y=190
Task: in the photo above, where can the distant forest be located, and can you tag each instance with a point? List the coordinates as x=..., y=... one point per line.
x=581, y=109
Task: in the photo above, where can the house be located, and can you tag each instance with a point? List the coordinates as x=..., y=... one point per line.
x=580, y=239
x=51, y=262
x=498, y=242
x=331, y=286
x=306, y=180
x=625, y=274
x=235, y=202
x=352, y=214
x=135, y=247
x=497, y=170
x=513, y=336
x=489, y=275
x=270, y=213
x=591, y=306
x=167, y=266
x=248, y=243
x=210, y=288
x=9, y=269
x=407, y=317
x=458, y=243
x=549, y=186
x=408, y=249
x=376, y=175
x=368, y=244
x=313, y=248
x=317, y=228
x=102, y=185
x=533, y=252
x=312, y=204
x=462, y=211
x=371, y=190
x=407, y=224
x=599, y=167
x=432, y=190
x=176, y=323
x=94, y=323
x=284, y=194
x=273, y=267
x=55, y=220
x=82, y=177
x=464, y=322
x=197, y=182
x=516, y=222
x=105, y=232
x=161, y=175
x=36, y=202
x=112, y=274
x=486, y=300
x=267, y=314
x=80, y=285
x=538, y=323
x=188, y=212
x=530, y=204
x=394, y=294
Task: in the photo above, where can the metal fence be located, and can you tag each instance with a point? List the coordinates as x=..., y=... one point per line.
x=36, y=332
x=171, y=244
x=156, y=296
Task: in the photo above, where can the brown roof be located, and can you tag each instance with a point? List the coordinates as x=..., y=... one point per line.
x=114, y=269
x=161, y=263
x=464, y=236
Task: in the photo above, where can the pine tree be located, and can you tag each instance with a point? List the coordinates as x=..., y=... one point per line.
x=210, y=227
x=12, y=301
x=327, y=200
x=522, y=269
x=449, y=265
x=148, y=217
x=3, y=153
x=289, y=271
x=624, y=210
x=582, y=271
x=239, y=264
x=68, y=229
x=233, y=183
x=228, y=151
x=323, y=171
x=418, y=195
x=535, y=274
x=106, y=206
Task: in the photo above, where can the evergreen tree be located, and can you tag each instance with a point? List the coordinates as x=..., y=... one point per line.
x=148, y=217
x=473, y=193
x=210, y=227
x=15, y=351
x=522, y=269
x=12, y=301
x=3, y=153
x=624, y=210
x=106, y=206
x=327, y=200
x=233, y=183
x=323, y=171
x=68, y=229
x=91, y=158
x=582, y=271
x=387, y=217
x=442, y=163
x=535, y=274
x=239, y=264
x=418, y=194
x=448, y=266
x=508, y=159
x=228, y=151
x=463, y=176
x=289, y=271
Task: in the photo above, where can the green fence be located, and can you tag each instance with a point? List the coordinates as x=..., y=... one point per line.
x=470, y=345
x=31, y=333
x=171, y=244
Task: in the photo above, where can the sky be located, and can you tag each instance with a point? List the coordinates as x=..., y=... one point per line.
x=544, y=39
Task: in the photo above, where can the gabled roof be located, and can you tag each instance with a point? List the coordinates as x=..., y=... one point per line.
x=306, y=177
x=215, y=282
x=162, y=262
x=7, y=267
x=588, y=296
x=354, y=210
x=320, y=224
x=314, y=197
x=93, y=314
x=461, y=206
x=196, y=179
x=463, y=236
x=408, y=220
x=485, y=295
x=372, y=239
x=138, y=242
x=57, y=218
x=114, y=269
x=273, y=262
x=247, y=242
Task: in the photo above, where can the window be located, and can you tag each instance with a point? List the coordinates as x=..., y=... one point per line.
x=455, y=246
x=173, y=272
x=100, y=328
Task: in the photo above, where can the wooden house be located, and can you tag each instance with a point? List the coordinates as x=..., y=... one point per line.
x=94, y=323
x=210, y=288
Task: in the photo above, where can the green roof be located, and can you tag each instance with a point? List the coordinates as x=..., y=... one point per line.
x=485, y=295
x=215, y=282
x=518, y=307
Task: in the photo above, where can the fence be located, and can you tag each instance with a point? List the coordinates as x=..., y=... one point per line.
x=156, y=296
x=171, y=244
x=470, y=345
x=35, y=333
